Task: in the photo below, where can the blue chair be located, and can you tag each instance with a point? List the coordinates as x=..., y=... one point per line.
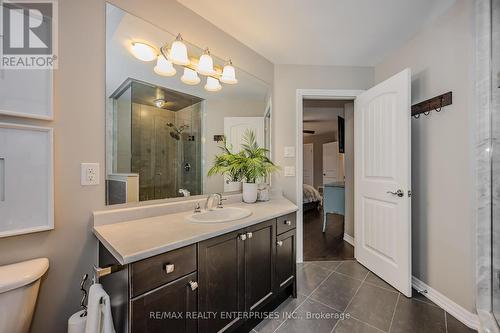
x=333, y=200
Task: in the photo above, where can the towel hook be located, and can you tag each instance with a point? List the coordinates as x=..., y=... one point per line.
x=440, y=105
x=427, y=113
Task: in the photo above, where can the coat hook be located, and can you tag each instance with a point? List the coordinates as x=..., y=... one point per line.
x=427, y=113
x=417, y=116
x=440, y=105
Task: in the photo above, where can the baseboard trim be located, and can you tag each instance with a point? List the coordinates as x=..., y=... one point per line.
x=349, y=239
x=466, y=317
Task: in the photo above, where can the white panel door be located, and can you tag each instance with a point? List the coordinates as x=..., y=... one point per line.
x=383, y=179
x=308, y=155
x=330, y=162
x=235, y=128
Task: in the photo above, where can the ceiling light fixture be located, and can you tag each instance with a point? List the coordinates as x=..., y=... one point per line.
x=190, y=77
x=164, y=66
x=178, y=52
x=159, y=103
x=206, y=64
x=212, y=84
x=143, y=51
x=228, y=73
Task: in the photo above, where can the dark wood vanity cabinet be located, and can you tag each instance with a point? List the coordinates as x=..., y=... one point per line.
x=205, y=287
x=164, y=309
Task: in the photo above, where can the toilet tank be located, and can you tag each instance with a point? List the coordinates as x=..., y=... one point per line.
x=19, y=284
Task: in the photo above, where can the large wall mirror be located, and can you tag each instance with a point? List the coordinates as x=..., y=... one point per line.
x=162, y=133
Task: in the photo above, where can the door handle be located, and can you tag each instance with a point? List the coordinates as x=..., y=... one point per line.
x=243, y=237
x=249, y=235
x=399, y=193
x=193, y=285
x=279, y=243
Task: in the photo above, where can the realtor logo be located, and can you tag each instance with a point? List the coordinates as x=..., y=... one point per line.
x=29, y=34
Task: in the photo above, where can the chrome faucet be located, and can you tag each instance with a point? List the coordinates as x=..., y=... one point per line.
x=209, y=202
x=184, y=192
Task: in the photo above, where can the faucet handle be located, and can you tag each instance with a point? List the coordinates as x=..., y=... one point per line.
x=220, y=203
x=197, y=208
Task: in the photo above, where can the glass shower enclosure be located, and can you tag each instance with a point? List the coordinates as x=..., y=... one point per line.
x=157, y=136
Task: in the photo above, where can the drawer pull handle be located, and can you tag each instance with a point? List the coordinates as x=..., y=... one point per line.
x=249, y=235
x=288, y=222
x=279, y=243
x=193, y=285
x=243, y=237
x=169, y=268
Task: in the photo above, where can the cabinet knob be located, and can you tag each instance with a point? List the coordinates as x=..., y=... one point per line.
x=279, y=243
x=288, y=222
x=249, y=234
x=243, y=237
x=193, y=285
x=169, y=268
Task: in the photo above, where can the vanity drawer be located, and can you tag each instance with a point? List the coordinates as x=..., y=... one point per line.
x=153, y=272
x=285, y=223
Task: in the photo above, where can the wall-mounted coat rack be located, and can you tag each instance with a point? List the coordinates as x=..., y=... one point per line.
x=435, y=103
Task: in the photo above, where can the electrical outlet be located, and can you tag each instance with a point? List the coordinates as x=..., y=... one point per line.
x=90, y=174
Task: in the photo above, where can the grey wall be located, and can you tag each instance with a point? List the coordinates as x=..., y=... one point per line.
x=442, y=172
x=79, y=137
x=318, y=141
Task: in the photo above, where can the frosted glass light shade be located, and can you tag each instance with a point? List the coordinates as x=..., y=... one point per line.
x=178, y=52
x=190, y=77
x=164, y=67
x=206, y=64
x=212, y=84
x=143, y=51
x=228, y=74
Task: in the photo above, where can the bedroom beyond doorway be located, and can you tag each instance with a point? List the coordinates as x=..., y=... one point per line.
x=328, y=173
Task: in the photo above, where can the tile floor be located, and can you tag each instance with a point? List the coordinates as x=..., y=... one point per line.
x=328, y=290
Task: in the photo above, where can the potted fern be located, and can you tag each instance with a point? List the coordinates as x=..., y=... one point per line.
x=249, y=165
x=226, y=164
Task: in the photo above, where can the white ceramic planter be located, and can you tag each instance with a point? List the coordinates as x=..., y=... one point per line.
x=249, y=192
x=232, y=186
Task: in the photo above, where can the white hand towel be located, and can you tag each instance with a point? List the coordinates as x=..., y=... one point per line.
x=99, y=319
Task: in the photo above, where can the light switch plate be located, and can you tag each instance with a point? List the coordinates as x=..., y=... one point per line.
x=90, y=174
x=289, y=171
x=290, y=151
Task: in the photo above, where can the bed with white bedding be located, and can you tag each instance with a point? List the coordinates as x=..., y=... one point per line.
x=312, y=199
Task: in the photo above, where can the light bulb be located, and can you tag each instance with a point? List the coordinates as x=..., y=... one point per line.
x=143, y=51
x=206, y=64
x=212, y=84
x=178, y=52
x=190, y=77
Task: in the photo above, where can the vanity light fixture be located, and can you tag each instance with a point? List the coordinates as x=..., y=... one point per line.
x=143, y=51
x=228, y=73
x=206, y=64
x=212, y=84
x=190, y=77
x=159, y=103
x=164, y=66
x=178, y=52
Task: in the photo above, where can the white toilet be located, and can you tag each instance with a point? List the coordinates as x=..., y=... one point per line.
x=19, y=285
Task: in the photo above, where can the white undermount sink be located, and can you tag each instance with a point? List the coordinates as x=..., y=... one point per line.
x=220, y=215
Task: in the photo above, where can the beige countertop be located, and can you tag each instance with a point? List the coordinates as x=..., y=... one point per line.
x=134, y=240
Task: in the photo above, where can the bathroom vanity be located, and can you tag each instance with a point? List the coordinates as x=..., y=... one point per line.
x=203, y=277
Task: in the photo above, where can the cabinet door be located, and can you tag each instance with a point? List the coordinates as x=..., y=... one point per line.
x=259, y=264
x=221, y=281
x=166, y=308
x=285, y=259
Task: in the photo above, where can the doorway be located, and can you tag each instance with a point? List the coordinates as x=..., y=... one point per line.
x=327, y=210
